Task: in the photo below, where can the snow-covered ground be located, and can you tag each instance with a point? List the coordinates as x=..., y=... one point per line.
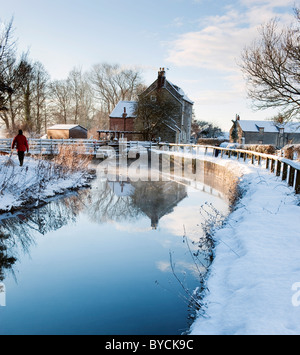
x=36, y=181
x=253, y=286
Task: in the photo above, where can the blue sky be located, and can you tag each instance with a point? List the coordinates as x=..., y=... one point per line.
x=200, y=41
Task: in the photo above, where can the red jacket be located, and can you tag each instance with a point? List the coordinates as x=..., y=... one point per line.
x=21, y=142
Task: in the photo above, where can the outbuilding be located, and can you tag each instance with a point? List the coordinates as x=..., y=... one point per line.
x=265, y=132
x=67, y=131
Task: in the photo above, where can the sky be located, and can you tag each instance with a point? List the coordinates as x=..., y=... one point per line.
x=198, y=41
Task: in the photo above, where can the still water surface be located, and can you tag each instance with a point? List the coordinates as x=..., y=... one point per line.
x=98, y=261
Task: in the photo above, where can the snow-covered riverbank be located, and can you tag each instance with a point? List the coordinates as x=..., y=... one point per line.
x=36, y=181
x=254, y=278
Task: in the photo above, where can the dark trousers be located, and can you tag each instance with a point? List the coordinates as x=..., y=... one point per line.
x=21, y=157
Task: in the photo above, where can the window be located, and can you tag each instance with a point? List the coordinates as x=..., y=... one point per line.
x=261, y=130
x=153, y=98
x=281, y=130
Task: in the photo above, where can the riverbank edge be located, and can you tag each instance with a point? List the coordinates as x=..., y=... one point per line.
x=211, y=319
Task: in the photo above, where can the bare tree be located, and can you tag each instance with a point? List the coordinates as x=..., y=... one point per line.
x=7, y=45
x=112, y=84
x=271, y=66
x=60, y=94
x=40, y=95
x=82, y=98
x=7, y=50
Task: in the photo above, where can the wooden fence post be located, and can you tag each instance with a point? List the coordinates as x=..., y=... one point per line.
x=272, y=166
x=259, y=160
x=284, y=171
x=292, y=176
x=297, y=187
x=278, y=169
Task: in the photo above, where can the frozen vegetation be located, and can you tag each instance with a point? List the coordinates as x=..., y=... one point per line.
x=38, y=180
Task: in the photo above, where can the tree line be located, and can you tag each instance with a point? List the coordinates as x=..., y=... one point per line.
x=30, y=100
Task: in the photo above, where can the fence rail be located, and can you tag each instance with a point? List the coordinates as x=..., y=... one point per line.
x=286, y=169
x=51, y=146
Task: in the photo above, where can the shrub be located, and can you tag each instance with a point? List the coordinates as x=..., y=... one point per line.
x=260, y=148
x=216, y=142
x=72, y=158
x=291, y=151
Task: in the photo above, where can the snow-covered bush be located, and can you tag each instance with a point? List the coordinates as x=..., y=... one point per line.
x=292, y=151
x=39, y=179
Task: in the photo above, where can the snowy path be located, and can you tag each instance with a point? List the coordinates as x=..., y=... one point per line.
x=255, y=276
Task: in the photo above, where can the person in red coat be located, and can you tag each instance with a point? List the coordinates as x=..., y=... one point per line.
x=21, y=143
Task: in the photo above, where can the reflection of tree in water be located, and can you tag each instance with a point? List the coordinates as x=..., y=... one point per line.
x=6, y=261
x=18, y=233
x=111, y=201
x=107, y=201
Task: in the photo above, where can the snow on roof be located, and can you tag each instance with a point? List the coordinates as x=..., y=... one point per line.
x=254, y=126
x=181, y=92
x=291, y=127
x=65, y=126
x=119, y=109
x=268, y=126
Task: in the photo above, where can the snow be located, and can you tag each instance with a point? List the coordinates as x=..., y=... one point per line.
x=269, y=126
x=33, y=183
x=253, y=284
x=253, y=280
x=64, y=126
x=119, y=109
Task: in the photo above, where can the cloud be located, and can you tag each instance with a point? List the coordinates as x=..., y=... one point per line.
x=219, y=42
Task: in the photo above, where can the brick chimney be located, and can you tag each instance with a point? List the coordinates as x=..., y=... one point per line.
x=125, y=113
x=161, y=80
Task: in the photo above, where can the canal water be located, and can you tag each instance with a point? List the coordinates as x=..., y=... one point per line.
x=118, y=258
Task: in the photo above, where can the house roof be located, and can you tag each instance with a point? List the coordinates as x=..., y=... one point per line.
x=269, y=126
x=119, y=109
x=291, y=127
x=174, y=90
x=65, y=127
x=181, y=93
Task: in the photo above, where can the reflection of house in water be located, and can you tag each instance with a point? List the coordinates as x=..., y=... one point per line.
x=154, y=199
x=121, y=188
x=157, y=199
